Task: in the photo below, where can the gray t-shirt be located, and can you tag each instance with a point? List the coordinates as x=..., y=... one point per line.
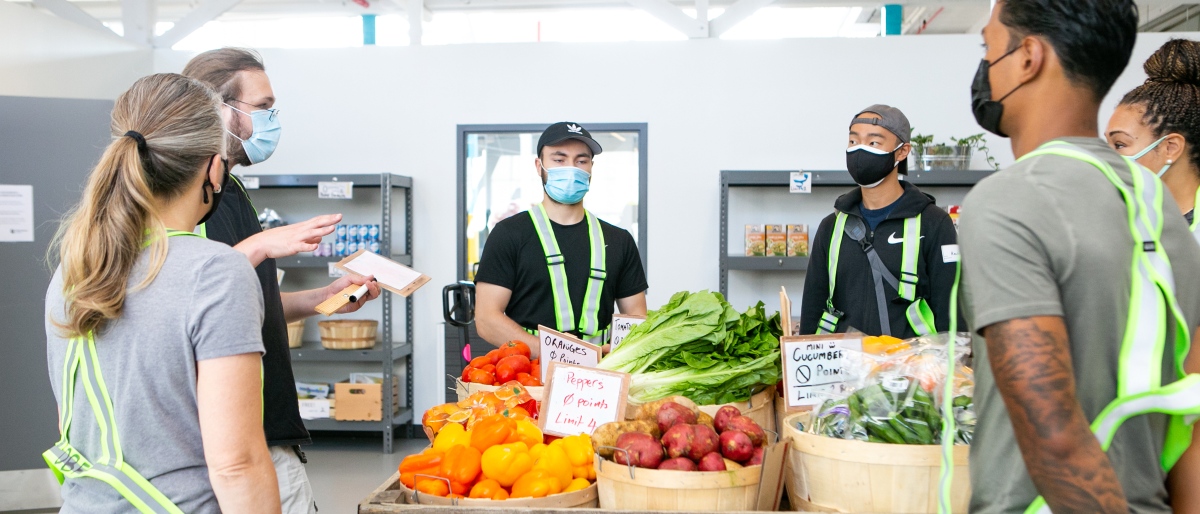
x=1049, y=237
x=204, y=304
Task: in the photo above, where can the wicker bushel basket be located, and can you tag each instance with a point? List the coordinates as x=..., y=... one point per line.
x=295, y=333
x=624, y=487
x=825, y=474
x=348, y=334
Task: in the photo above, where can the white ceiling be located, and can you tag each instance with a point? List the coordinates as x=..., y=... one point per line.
x=921, y=16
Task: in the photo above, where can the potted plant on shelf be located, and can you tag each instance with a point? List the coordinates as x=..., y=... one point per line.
x=953, y=156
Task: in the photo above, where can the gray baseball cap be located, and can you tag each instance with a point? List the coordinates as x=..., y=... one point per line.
x=889, y=118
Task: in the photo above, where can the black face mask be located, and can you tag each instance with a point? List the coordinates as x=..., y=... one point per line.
x=868, y=168
x=216, y=195
x=988, y=112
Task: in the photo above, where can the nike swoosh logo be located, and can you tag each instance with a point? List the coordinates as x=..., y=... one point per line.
x=893, y=241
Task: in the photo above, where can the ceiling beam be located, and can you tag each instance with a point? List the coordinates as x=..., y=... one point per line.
x=137, y=19
x=1171, y=18
x=426, y=14
x=673, y=16
x=69, y=11
x=207, y=11
x=415, y=28
x=735, y=14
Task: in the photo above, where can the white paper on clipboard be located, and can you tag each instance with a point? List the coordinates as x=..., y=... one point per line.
x=391, y=275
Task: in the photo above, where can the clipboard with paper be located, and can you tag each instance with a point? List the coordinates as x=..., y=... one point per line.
x=390, y=275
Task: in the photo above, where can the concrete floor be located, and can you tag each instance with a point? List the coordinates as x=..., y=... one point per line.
x=343, y=471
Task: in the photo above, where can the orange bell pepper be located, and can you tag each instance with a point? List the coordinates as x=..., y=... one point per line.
x=491, y=431
x=506, y=463
x=428, y=463
x=527, y=432
x=578, y=484
x=433, y=487
x=461, y=466
x=450, y=436
x=554, y=462
x=536, y=484
x=488, y=489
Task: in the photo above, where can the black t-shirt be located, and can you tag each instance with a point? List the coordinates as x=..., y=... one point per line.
x=513, y=258
x=233, y=222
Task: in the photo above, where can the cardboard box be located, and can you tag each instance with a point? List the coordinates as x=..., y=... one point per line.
x=363, y=402
x=756, y=241
x=776, y=241
x=797, y=240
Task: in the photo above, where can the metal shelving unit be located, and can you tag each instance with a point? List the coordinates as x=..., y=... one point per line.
x=776, y=178
x=387, y=352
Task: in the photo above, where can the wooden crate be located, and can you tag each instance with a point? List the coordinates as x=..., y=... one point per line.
x=363, y=402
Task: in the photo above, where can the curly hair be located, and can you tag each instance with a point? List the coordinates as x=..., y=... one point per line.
x=1171, y=94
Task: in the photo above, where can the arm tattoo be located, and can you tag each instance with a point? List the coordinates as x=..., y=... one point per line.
x=1031, y=361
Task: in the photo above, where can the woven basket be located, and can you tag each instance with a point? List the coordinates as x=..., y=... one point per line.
x=295, y=332
x=348, y=334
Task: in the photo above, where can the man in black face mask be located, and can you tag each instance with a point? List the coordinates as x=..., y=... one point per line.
x=879, y=264
x=1080, y=281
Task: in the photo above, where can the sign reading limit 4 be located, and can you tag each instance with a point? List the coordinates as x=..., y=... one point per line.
x=578, y=400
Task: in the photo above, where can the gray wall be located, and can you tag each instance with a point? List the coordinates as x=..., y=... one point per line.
x=52, y=144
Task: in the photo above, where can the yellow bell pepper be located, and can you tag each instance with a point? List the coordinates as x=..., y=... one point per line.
x=506, y=463
x=527, y=432
x=536, y=450
x=451, y=435
x=536, y=484
x=578, y=484
x=554, y=461
x=579, y=449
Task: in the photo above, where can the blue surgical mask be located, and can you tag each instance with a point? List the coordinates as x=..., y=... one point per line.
x=265, y=138
x=567, y=184
x=1147, y=150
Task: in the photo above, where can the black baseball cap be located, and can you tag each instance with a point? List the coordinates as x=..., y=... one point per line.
x=564, y=130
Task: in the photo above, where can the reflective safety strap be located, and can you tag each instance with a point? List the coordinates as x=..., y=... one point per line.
x=920, y=317
x=589, y=323
x=949, y=430
x=908, y=266
x=65, y=461
x=202, y=230
x=831, y=316
x=564, y=312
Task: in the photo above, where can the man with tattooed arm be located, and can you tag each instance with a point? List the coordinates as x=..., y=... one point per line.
x=1080, y=281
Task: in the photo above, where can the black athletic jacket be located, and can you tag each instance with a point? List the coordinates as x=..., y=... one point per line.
x=855, y=289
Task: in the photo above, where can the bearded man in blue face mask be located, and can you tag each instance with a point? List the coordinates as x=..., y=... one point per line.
x=253, y=128
x=558, y=265
x=880, y=263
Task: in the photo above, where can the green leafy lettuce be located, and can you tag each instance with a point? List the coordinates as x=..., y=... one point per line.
x=700, y=347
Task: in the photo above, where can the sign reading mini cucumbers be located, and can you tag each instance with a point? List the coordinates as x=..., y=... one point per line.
x=578, y=400
x=813, y=366
x=559, y=347
x=621, y=325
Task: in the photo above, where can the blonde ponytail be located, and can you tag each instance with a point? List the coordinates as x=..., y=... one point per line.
x=118, y=218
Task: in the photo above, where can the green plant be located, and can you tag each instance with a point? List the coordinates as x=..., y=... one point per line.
x=978, y=142
x=924, y=145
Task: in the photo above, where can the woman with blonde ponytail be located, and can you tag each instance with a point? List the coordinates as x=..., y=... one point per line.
x=153, y=338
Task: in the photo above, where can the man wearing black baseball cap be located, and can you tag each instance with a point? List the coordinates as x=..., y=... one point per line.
x=882, y=263
x=558, y=265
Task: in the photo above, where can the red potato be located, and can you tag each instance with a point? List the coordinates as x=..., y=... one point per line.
x=744, y=424
x=757, y=458
x=678, y=441
x=712, y=462
x=671, y=414
x=724, y=414
x=678, y=464
x=736, y=446
x=641, y=450
x=704, y=441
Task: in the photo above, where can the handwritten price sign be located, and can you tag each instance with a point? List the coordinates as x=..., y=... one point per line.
x=578, y=399
x=813, y=367
x=621, y=325
x=560, y=347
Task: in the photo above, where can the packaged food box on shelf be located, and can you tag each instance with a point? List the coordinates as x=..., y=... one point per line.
x=776, y=241
x=756, y=241
x=797, y=240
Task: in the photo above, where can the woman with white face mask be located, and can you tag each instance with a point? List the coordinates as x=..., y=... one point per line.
x=881, y=263
x=1158, y=123
x=152, y=331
